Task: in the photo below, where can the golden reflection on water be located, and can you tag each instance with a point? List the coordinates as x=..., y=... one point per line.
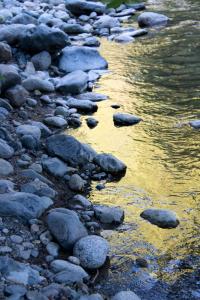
x=151, y=78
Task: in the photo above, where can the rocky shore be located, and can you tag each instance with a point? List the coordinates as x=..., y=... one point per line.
x=50, y=233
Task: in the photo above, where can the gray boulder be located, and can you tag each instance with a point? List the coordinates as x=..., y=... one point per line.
x=55, y=121
x=23, y=205
x=43, y=38
x=91, y=96
x=81, y=58
x=29, y=130
x=125, y=295
x=109, y=215
x=17, y=95
x=41, y=61
x=45, y=131
x=6, y=186
x=9, y=76
x=54, y=166
x=91, y=122
x=13, y=33
x=80, y=7
x=163, y=218
x=25, y=19
x=85, y=106
x=91, y=251
x=76, y=183
x=73, y=83
x=121, y=119
x=195, y=124
x=33, y=83
x=5, y=150
x=39, y=188
x=70, y=150
x=106, y=21
x=150, y=19
x=79, y=202
x=66, y=227
x=5, y=168
x=110, y=164
x=73, y=28
x=5, y=52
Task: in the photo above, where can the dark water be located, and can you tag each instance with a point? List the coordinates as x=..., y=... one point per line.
x=157, y=78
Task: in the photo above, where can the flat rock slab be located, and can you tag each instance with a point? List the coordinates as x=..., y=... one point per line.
x=161, y=217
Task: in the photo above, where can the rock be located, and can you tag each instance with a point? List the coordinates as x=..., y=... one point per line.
x=31, y=174
x=5, y=168
x=5, y=150
x=110, y=164
x=91, y=122
x=35, y=83
x=125, y=12
x=79, y=202
x=53, y=249
x=109, y=215
x=55, y=121
x=45, y=131
x=94, y=97
x=5, y=52
x=163, y=218
x=80, y=7
x=92, y=251
x=138, y=32
x=9, y=76
x=76, y=183
x=70, y=150
x=82, y=105
x=124, y=38
x=17, y=95
x=29, y=142
x=43, y=38
x=13, y=33
x=121, y=119
x=18, y=273
x=73, y=83
x=195, y=124
x=81, y=58
x=149, y=19
x=70, y=274
x=54, y=166
x=106, y=21
x=15, y=289
x=41, y=61
x=6, y=105
x=23, y=205
x=125, y=295
x=24, y=18
x=29, y=130
x=91, y=42
x=73, y=28
x=6, y=186
x=91, y=297
x=39, y=188
x=66, y=227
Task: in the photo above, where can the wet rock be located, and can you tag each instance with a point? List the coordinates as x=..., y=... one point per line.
x=13, y=33
x=70, y=274
x=81, y=58
x=17, y=95
x=5, y=150
x=66, y=227
x=125, y=295
x=149, y=19
x=54, y=166
x=15, y=289
x=110, y=164
x=29, y=130
x=195, y=124
x=6, y=105
x=31, y=174
x=79, y=202
x=92, y=297
x=5, y=52
x=125, y=12
x=80, y=7
x=91, y=42
x=35, y=83
x=6, y=186
x=121, y=119
x=41, y=61
x=73, y=28
x=45, y=131
x=73, y=83
x=5, y=168
x=43, y=38
x=24, y=18
x=76, y=183
x=39, y=188
x=23, y=205
x=53, y=249
x=29, y=142
x=91, y=122
x=109, y=215
x=9, y=76
x=55, y=121
x=70, y=150
x=92, y=251
x=106, y=21
x=160, y=217
x=94, y=97
x=139, y=32
x=83, y=105
x=141, y=262
x=124, y=38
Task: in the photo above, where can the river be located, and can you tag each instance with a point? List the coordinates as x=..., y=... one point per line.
x=157, y=77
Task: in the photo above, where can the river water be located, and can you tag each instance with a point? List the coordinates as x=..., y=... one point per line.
x=157, y=77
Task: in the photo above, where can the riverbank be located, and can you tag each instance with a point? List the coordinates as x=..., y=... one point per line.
x=50, y=232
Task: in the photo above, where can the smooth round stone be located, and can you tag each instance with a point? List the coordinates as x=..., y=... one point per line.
x=5, y=168
x=16, y=239
x=125, y=295
x=121, y=119
x=91, y=122
x=163, y=218
x=149, y=19
x=91, y=251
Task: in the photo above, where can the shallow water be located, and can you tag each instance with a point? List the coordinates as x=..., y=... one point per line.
x=157, y=78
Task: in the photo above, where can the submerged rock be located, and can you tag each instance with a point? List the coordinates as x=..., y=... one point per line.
x=109, y=215
x=149, y=19
x=163, y=218
x=121, y=119
x=81, y=58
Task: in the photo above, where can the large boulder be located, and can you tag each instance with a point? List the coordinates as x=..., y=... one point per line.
x=161, y=217
x=109, y=215
x=92, y=251
x=23, y=205
x=70, y=149
x=73, y=83
x=85, y=106
x=66, y=227
x=14, y=32
x=54, y=166
x=81, y=58
x=42, y=38
x=80, y=7
x=149, y=19
x=110, y=164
